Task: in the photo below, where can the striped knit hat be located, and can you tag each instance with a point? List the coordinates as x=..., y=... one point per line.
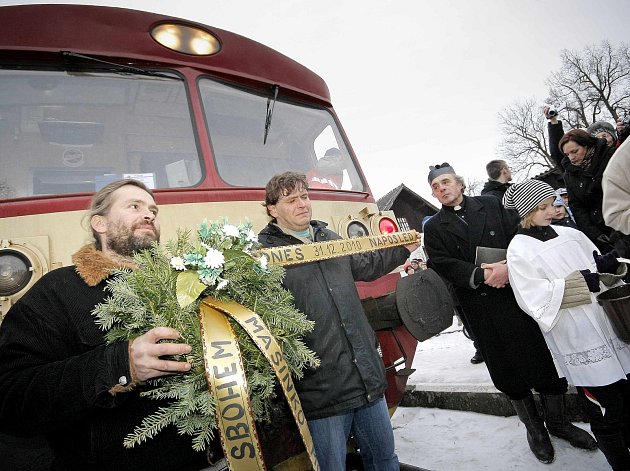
x=526, y=196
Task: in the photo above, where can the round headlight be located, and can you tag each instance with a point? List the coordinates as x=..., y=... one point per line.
x=15, y=272
x=357, y=229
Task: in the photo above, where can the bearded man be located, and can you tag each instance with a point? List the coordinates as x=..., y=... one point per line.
x=58, y=377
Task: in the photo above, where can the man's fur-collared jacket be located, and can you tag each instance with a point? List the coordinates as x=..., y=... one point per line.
x=58, y=377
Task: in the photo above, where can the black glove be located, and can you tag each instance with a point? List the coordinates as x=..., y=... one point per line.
x=606, y=263
x=603, y=243
x=592, y=280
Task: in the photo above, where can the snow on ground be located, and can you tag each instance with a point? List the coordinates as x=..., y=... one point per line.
x=443, y=440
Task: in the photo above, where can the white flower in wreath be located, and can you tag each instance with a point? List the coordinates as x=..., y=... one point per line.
x=222, y=284
x=262, y=261
x=213, y=258
x=207, y=280
x=178, y=263
x=231, y=231
x=251, y=236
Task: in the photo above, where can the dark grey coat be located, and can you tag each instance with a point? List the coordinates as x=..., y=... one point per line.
x=351, y=372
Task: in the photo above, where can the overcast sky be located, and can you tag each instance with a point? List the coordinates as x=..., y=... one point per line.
x=416, y=82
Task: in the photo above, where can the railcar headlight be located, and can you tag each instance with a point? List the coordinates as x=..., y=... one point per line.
x=350, y=228
x=16, y=272
x=357, y=229
x=186, y=39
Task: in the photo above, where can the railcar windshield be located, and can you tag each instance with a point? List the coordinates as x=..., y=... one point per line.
x=73, y=132
x=65, y=132
x=255, y=137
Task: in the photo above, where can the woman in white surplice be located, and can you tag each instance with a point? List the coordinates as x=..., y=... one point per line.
x=555, y=272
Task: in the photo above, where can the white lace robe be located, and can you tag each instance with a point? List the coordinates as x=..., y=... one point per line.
x=582, y=342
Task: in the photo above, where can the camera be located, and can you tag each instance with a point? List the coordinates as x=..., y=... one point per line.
x=551, y=112
x=626, y=120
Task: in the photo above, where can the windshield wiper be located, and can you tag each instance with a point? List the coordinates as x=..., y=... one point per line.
x=270, y=112
x=119, y=68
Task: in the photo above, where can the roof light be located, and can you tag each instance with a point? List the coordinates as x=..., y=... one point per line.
x=186, y=39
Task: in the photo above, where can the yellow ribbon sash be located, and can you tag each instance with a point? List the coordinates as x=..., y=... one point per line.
x=226, y=380
x=303, y=253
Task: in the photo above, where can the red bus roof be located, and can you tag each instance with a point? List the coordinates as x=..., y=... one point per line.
x=114, y=32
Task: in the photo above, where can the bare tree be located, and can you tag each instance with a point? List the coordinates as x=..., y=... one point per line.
x=591, y=85
x=474, y=187
x=524, y=146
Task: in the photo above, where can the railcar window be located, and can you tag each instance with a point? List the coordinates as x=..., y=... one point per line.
x=300, y=138
x=72, y=132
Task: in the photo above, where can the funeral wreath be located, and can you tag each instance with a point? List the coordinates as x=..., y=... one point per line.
x=165, y=290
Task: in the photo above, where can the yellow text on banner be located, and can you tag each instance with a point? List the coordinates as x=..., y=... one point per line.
x=257, y=330
x=226, y=380
x=304, y=253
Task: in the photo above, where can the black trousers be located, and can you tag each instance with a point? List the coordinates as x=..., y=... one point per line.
x=612, y=415
x=512, y=344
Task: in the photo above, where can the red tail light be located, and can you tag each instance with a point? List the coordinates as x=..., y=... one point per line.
x=387, y=226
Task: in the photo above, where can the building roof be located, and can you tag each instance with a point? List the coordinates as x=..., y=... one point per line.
x=387, y=201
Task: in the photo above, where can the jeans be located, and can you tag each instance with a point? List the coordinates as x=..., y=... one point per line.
x=372, y=430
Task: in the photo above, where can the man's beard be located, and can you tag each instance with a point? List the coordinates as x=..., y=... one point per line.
x=122, y=240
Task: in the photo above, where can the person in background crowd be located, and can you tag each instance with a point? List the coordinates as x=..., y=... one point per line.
x=561, y=216
x=59, y=378
x=603, y=130
x=583, y=159
x=513, y=347
x=345, y=394
x=499, y=178
x=623, y=130
x=564, y=194
x=586, y=158
x=555, y=272
x=616, y=200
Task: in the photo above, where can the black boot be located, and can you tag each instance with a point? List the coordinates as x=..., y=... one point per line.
x=615, y=450
x=537, y=436
x=559, y=425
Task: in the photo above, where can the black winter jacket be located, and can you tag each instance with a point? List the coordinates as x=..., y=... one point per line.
x=495, y=188
x=584, y=186
x=351, y=372
x=556, y=131
x=56, y=373
x=452, y=245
